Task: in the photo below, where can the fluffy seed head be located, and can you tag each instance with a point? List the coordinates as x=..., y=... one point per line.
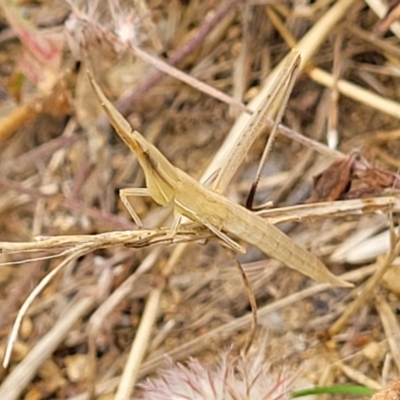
x=232, y=378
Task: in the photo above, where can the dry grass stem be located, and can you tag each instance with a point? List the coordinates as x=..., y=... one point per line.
x=194, y=232
x=190, y=46
x=139, y=346
x=253, y=305
x=380, y=8
x=391, y=327
x=367, y=291
x=357, y=93
x=27, y=303
x=358, y=376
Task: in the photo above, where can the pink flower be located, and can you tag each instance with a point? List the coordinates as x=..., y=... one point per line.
x=232, y=378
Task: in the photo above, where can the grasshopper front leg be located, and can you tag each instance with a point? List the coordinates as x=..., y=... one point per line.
x=133, y=192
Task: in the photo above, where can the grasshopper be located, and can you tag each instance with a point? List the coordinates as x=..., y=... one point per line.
x=169, y=185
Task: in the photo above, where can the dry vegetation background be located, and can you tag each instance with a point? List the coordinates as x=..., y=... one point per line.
x=62, y=166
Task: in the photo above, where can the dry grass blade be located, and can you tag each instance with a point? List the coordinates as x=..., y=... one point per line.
x=390, y=325
x=357, y=93
x=135, y=239
x=278, y=87
x=368, y=289
x=358, y=376
x=380, y=8
x=289, y=78
x=16, y=119
x=43, y=283
x=99, y=317
x=138, y=349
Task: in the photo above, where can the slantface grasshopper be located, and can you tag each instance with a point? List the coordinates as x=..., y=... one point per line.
x=168, y=185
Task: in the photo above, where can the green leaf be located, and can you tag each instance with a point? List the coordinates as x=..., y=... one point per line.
x=336, y=389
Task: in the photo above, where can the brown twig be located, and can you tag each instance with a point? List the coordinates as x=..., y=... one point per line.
x=99, y=215
x=125, y=104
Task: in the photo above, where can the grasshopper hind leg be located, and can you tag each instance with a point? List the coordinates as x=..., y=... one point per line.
x=228, y=242
x=130, y=192
x=175, y=224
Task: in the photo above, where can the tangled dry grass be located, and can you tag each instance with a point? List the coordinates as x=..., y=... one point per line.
x=113, y=316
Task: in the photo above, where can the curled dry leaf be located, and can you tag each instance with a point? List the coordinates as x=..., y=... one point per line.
x=332, y=183
x=335, y=182
x=377, y=179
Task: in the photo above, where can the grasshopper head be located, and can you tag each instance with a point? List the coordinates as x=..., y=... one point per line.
x=160, y=173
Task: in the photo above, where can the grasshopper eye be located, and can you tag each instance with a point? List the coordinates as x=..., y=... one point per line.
x=151, y=160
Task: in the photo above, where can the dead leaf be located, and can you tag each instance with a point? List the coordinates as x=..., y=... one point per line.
x=332, y=183
x=377, y=179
